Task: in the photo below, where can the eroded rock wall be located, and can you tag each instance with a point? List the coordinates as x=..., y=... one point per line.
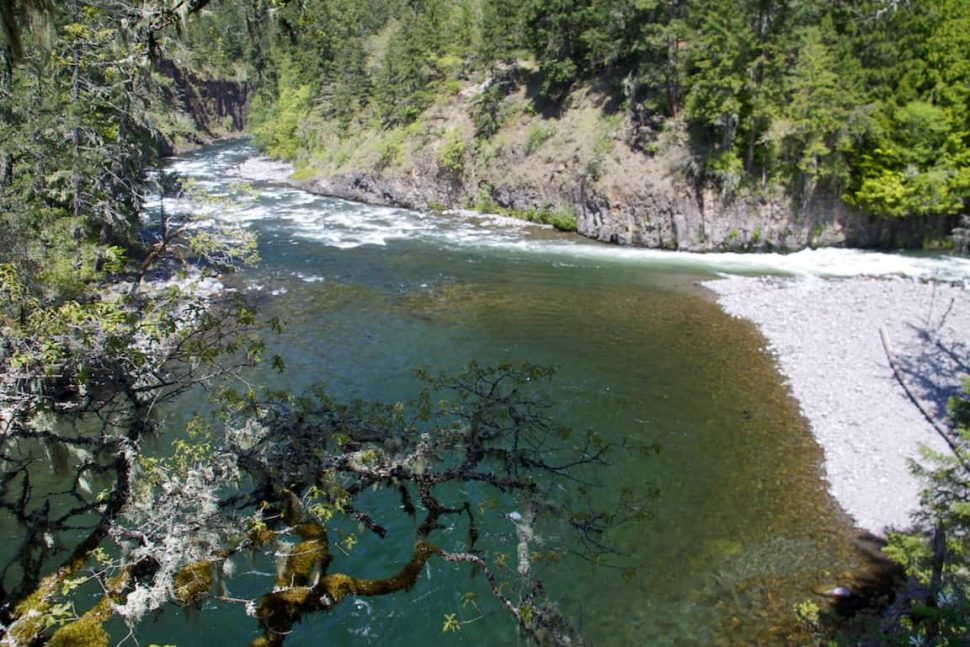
x=655, y=218
x=215, y=107
x=581, y=162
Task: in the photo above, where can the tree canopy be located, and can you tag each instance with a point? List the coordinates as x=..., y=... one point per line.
x=863, y=100
x=108, y=312
x=105, y=316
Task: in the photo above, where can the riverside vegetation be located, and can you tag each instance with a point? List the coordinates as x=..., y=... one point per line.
x=108, y=311
x=697, y=125
x=866, y=101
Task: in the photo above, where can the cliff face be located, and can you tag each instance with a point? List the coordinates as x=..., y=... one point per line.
x=652, y=218
x=208, y=108
x=581, y=163
x=703, y=221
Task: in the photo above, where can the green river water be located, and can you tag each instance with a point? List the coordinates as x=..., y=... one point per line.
x=741, y=527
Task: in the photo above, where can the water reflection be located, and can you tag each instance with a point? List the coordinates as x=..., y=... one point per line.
x=742, y=528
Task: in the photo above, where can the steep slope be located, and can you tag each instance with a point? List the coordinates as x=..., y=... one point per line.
x=578, y=169
x=201, y=109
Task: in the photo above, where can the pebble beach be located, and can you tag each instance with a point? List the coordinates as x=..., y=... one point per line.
x=825, y=336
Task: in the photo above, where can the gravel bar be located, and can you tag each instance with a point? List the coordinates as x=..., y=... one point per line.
x=825, y=336
x=264, y=169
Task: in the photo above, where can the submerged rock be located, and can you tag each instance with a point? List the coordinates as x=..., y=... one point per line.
x=829, y=591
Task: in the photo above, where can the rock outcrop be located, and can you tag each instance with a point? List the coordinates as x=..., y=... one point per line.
x=582, y=162
x=215, y=107
x=655, y=216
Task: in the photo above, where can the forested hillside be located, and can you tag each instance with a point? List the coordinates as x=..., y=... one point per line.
x=111, y=508
x=159, y=468
x=852, y=108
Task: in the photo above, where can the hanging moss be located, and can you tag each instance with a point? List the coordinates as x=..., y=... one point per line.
x=32, y=611
x=339, y=586
x=86, y=632
x=292, y=508
x=261, y=536
x=30, y=614
x=307, y=557
x=193, y=582
x=278, y=612
x=311, y=530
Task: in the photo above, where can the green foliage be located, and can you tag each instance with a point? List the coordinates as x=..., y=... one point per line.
x=562, y=34
x=809, y=613
x=484, y=202
x=487, y=111
x=539, y=133
x=501, y=30
x=276, y=120
x=726, y=169
x=390, y=147
x=452, y=153
x=919, y=165
x=451, y=623
x=562, y=220
x=863, y=101
x=937, y=554
x=404, y=80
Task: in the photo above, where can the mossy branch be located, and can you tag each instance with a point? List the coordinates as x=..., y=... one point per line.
x=280, y=610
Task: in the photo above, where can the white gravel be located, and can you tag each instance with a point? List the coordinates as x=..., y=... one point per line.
x=825, y=336
x=264, y=169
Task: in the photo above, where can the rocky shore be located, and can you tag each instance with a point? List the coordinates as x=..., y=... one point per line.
x=652, y=211
x=825, y=335
x=264, y=169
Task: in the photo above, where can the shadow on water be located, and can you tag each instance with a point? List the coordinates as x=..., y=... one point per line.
x=873, y=587
x=743, y=527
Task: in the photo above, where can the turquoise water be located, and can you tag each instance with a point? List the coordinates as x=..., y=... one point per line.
x=740, y=527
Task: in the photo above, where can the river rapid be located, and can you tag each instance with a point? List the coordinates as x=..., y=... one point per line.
x=741, y=527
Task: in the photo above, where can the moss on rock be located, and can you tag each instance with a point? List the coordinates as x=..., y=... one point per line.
x=86, y=632
x=193, y=582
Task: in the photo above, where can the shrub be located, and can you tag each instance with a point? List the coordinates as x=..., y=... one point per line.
x=486, y=113
x=388, y=153
x=538, y=134
x=451, y=154
x=564, y=220
x=483, y=201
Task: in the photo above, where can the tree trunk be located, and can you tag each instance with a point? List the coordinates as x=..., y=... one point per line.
x=6, y=79
x=75, y=96
x=936, y=580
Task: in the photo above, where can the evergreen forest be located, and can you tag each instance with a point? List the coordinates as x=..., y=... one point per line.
x=863, y=100
x=108, y=315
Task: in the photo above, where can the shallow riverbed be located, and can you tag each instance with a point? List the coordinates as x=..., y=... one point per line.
x=742, y=526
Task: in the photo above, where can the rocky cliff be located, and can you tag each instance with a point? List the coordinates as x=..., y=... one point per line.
x=580, y=162
x=205, y=109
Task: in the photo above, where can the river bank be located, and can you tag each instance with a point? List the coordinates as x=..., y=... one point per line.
x=741, y=524
x=825, y=335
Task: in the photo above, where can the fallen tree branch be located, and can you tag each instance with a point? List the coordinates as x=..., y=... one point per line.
x=901, y=378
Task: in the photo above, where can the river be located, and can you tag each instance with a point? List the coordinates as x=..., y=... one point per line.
x=741, y=527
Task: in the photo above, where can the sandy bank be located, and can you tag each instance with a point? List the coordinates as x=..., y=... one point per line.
x=825, y=336
x=264, y=169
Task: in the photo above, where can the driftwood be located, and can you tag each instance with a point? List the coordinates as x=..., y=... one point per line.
x=901, y=378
